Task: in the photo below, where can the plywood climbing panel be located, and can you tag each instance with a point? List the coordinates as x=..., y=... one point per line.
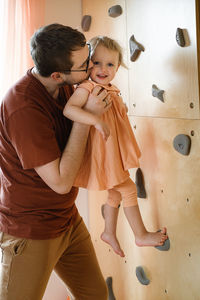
x=164, y=63
x=161, y=87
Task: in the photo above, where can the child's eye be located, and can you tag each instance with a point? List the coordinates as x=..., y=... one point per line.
x=110, y=65
x=95, y=62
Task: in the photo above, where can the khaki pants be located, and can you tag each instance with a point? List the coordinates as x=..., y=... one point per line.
x=27, y=265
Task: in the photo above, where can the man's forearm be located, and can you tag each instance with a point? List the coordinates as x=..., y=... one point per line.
x=73, y=154
x=60, y=174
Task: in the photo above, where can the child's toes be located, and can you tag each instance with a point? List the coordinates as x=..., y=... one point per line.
x=164, y=230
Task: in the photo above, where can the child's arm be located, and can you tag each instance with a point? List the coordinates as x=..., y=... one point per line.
x=74, y=111
x=74, y=108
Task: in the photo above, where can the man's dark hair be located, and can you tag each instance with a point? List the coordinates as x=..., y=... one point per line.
x=51, y=48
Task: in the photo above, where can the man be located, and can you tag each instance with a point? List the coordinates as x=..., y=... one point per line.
x=41, y=152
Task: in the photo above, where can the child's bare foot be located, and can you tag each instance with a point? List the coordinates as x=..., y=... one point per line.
x=113, y=242
x=152, y=238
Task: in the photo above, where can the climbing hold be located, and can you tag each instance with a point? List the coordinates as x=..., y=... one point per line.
x=182, y=144
x=115, y=11
x=102, y=210
x=135, y=48
x=141, y=276
x=110, y=290
x=156, y=92
x=139, y=181
x=86, y=22
x=165, y=246
x=180, y=37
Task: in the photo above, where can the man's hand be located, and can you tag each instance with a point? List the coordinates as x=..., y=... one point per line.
x=98, y=101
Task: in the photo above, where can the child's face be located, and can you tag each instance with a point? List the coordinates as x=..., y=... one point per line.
x=105, y=65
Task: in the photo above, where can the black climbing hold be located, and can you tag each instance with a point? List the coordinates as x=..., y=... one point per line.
x=180, y=37
x=139, y=181
x=165, y=246
x=115, y=11
x=141, y=276
x=135, y=48
x=110, y=290
x=156, y=92
x=182, y=144
x=86, y=22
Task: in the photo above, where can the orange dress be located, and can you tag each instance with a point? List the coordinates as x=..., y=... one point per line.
x=105, y=163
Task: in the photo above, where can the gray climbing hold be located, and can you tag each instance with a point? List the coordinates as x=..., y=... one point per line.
x=86, y=22
x=115, y=11
x=135, y=48
x=182, y=144
x=110, y=290
x=139, y=181
x=180, y=37
x=102, y=210
x=141, y=276
x=165, y=246
x=156, y=92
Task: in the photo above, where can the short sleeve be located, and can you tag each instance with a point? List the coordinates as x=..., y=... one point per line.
x=87, y=85
x=33, y=137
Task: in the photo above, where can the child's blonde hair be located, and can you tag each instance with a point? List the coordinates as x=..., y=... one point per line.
x=109, y=44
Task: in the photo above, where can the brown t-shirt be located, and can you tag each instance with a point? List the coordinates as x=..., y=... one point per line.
x=33, y=132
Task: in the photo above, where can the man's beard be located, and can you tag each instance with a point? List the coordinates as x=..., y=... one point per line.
x=83, y=79
x=73, y=82
x=63, y=84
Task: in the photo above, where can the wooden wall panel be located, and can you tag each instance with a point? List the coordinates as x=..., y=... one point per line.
x=173, y=190
x=171, y=179
x=163, y=63
x=103, y=24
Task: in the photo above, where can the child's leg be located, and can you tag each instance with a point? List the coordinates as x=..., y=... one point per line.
x=142, y=237
x=111, y=210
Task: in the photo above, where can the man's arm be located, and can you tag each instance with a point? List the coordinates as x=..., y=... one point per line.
x=60, y=174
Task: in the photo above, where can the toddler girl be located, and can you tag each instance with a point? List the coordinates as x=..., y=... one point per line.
x=111, y=148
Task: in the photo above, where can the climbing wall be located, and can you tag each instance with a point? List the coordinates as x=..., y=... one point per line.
x=171, y=178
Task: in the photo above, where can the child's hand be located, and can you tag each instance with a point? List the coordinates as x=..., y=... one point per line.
x=103, y=129
x=96, y=101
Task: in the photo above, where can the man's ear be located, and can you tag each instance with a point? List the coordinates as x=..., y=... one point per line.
x=57, y=76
